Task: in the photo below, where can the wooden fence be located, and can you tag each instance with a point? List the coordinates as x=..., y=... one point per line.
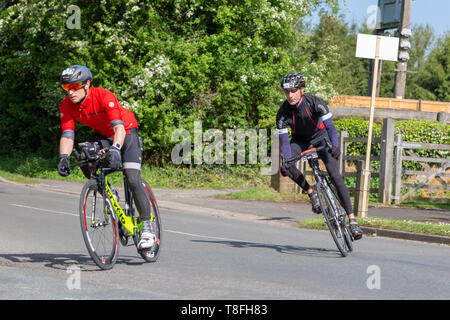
x=390, y=103
x=403, y=152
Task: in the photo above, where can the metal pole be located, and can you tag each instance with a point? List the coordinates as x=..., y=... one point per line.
x=400, y=77
x=366, y=171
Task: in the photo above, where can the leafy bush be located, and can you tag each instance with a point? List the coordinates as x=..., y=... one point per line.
x=358, y=127
x=424, y=132
x=170, y=62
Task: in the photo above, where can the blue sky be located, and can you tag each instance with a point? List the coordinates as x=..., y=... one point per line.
x=432, y=12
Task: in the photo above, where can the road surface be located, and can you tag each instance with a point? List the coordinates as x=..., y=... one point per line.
x=43, y=256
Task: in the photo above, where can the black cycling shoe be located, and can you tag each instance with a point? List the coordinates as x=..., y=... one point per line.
x=315, y=203
x=356, y=230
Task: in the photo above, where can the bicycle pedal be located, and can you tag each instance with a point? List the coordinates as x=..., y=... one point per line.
x=148, y=253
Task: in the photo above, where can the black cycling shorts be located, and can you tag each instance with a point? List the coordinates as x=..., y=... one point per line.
x=131, y=151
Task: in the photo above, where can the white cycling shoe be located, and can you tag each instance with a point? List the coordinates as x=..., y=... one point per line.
x=147, y=240
x=147, y=237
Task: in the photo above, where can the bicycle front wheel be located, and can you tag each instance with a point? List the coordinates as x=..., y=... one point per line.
x=98, y=226
x=332, y=217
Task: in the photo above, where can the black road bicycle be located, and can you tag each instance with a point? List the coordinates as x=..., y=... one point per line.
x=332, y=211
x=103, y=221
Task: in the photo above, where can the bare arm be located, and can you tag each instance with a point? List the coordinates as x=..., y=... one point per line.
x=65, y=146
x=119, y=134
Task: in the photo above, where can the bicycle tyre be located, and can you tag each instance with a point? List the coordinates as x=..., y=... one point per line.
x=98, y=226
x=348, y=237
x=330, y=213
x=345, y=230
x=153, y=254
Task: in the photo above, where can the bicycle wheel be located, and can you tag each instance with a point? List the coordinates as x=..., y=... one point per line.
x=150, y=255
x=347, y=236
x=345, y=230
x=331, y=214
x=98, y=226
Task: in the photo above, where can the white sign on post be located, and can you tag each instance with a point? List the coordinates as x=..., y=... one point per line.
x=377, y=48
x=366, y=45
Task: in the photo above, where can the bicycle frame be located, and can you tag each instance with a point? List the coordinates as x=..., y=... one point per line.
x=128, y=221
x=312, y=157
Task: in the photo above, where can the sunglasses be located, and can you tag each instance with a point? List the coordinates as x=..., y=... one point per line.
x=72, y=86
x=293, y=90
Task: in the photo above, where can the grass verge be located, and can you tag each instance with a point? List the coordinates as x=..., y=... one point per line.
x=264, y=193
x=267, y=193
x=26, y=170
x=440, y=229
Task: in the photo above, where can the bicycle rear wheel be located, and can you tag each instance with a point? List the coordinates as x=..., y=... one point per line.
x=98, y=226
x=152, y=254
x=332, y=217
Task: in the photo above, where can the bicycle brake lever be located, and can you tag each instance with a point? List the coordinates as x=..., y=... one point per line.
x=76, y=154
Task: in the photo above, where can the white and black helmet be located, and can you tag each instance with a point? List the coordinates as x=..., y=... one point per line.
x=293, y=80
x=76, y=73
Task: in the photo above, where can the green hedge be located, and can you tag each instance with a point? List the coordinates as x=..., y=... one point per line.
x=170, y=62
x=411, y=130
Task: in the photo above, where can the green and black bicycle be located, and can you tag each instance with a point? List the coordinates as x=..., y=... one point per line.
x=103, y=221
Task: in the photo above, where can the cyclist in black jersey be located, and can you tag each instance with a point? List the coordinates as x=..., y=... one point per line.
x=310, y=122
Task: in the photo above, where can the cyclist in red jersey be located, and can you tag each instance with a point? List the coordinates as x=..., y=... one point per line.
x=114, y=127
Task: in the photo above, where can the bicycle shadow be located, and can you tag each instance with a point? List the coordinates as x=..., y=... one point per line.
x=55, y=261
x=284, y=249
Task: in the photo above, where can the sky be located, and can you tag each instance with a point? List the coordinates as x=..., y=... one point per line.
x=432, y=12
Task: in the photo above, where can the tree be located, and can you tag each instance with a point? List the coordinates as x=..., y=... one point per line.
x=432, y=81
x=170, y=62
x=422, y=42
x=329, y=52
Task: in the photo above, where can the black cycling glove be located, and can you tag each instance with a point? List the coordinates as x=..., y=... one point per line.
x=113, y=157
x=64, y=165
x=335, y=152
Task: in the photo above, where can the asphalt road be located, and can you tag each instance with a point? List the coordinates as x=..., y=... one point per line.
x=43, y=256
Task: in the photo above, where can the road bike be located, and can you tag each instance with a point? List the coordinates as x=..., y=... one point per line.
x=330, y=206
x=103, y=221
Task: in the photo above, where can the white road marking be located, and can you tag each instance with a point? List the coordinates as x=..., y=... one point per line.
x=170, y=231
x=207, y=237
x=44, y=210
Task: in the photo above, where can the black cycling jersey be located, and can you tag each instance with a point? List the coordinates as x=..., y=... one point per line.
x=304, y=120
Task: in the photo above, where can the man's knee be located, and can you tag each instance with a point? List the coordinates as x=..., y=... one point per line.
x=133, y=177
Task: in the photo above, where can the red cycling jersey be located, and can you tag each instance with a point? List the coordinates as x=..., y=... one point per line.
x=100, y=111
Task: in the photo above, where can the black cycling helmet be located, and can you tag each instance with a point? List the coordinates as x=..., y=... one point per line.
x=293, y=80
x=75, y=73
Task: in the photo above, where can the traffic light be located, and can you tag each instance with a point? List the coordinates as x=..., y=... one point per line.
x=405, y=45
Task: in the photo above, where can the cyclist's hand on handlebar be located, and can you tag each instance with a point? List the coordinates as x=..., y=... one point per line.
x=64, y=165
x=335, y=152
x=113, y=158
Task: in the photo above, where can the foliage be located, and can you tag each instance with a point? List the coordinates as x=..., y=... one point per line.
x=170, y=62
x=329, y=54
x=357, y=127
x=435, y=77
x=173, y=62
